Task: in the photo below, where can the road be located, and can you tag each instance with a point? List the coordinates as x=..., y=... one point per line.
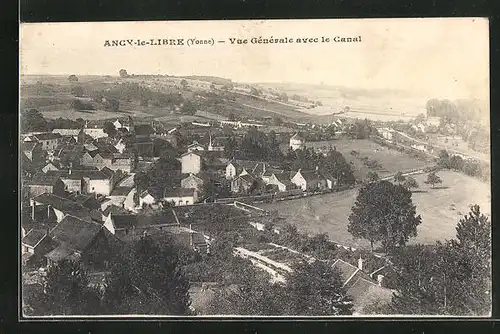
x=475, y=156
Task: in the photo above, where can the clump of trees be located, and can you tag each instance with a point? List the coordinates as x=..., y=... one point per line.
x=77, y=91
x=73, y=78
x=433, y=179
x=450, y=278
x=80, y=105
x=123, y=73
x=469, y=167
x=384, y=212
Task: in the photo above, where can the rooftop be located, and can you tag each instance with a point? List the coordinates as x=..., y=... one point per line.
x=124, y=221
x=180, y=192
x=34, y=237
x=47, y=136
x=75, y=233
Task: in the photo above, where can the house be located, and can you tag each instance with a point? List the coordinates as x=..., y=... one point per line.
x=192, y=181
x=195, y=146
x=191, y=162
x=95, y=133
x=297, y=142
x=86, y=181
x=49, y=141
x=309, y=180
x=120, y=224
x=77, y=134
x=363, y=290
x=244, y=184
x=43, y=183
x=99, y=182
x=144, y=146
x=282, y=181
x=96, y=159
x=37, y=242
x=181, y=196
x=145, y=198
x=55, y=208
x=123, y=124
x=120, y=146
x=143, y=142
x=49, y=167
x=215, y=145
x=73, y=182
x=330, y=180
x=242, y=167
x=33, y=150
x=386, y=133
x=84, y=241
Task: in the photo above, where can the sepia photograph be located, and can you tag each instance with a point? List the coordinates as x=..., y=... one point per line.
x=255, y=168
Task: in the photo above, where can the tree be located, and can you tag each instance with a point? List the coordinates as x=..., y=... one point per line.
x=78, y=105
x=444, y=159
x=410, y=183
x=433, y=179
x=188, y=108
x=110, y=129
x=73, y=78
x=67, y=291
x=315, y=289
x=148, y=279
x=184, y=83
x=384, y=212
x=372, y=176
x=399, y=177
x=111, y=104
x=33, y=120
x=123, y=73
x=456, y=162
x=254, y=91
x=77, y=91
x=277, y=121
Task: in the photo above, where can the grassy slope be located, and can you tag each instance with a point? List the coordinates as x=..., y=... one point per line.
x=329, y=213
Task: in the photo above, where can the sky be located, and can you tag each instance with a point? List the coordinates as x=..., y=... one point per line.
x=447, y=57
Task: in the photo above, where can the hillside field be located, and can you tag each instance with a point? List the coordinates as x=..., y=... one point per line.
x=440, y=208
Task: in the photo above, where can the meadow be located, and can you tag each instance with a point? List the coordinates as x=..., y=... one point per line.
x=392, y=161
x=440, y=208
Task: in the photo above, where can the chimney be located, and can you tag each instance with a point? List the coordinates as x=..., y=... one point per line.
x=33, y=209
x=48, y=211
x=380, y=280
x=317, y=167
x=360, y=263
x=47, y=231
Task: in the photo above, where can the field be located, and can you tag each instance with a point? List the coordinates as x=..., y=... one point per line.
x=392, y=161
x=440, y=208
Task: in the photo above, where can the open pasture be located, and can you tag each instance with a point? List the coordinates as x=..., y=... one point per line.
x=441, y=209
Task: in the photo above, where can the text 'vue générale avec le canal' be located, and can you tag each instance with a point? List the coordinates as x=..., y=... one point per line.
x=229, y=41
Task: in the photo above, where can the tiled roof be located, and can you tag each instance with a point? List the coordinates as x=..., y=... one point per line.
x=34, y=237
x=284, y=178
x=365, y=292
x=124, y=221
x=345, y=269
x=67, y=132
x=78, y=174
x=30, y=145
x=75, y=233
x=63, y=204
x=121, y=191
x=60, y=252
x=310, y=175
x=247, y=178
x=47, y=136
x=114, y=210
x=45, y=179
x=180, y=192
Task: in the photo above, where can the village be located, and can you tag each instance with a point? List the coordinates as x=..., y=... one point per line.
x=89, y=190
